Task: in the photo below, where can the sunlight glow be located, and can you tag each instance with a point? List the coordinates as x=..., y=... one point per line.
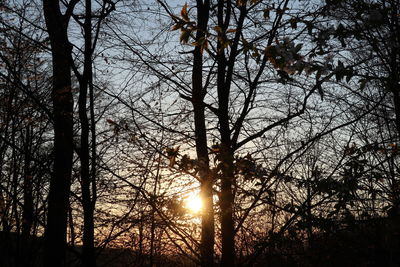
x=194, y=203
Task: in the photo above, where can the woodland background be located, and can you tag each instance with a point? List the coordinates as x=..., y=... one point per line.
x=282, y=115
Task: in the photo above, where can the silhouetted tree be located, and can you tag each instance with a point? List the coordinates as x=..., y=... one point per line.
x=58, y=200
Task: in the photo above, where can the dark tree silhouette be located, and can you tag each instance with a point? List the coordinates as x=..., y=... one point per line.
x=58, y=200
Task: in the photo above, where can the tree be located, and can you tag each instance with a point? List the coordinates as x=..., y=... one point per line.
x=228, y=41
x=25, y=154
x=368, y=32
x=87, y=151
x=58, y=200
x=264, y=107
x=198, y=94
x=244, y=54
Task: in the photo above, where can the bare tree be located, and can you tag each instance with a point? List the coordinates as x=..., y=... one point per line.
x=58, y=201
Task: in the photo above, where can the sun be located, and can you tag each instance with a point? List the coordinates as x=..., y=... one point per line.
x=194, y=203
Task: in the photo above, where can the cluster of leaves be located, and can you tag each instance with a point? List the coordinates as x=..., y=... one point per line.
x=248, y=168
x=184, y=24
x=176, y=207
x=183, y=162
x=356, y=151
x=172, y=154
x=285, y=56
x=245, y=166
x=188, y=28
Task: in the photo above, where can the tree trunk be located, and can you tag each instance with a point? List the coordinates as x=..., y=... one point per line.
x=226, y=157
x=394, y=87
x=58, y=199
x=226, y=203
x=206, y=180
x=88, y=255
x=226, y=197
x=27, y=212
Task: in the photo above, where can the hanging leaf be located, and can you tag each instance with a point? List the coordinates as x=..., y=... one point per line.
x=184, y=38
x=293, y=23
x=241, y=2
x=218, y=29
x=172, y=153
x=176, y=27
x=298, y=48
x=349, y=76
x=309, y=26
x=266, y=13
x=202, y=42
x=184, y=12
x=215, y=148
x=110, y=121
x=270, y=51
x=318, y=85
x=363, y=83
